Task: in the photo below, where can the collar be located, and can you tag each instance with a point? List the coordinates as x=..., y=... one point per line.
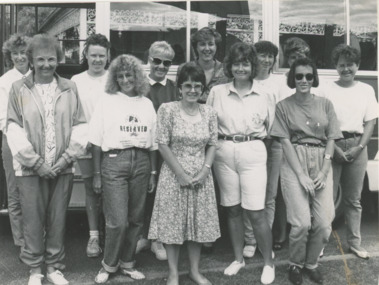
x=16, y=71
x=152, y=81
x=232, y=90
x=61, y=83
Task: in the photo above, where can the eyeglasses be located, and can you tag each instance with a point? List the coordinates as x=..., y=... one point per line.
x=41, y=60
x=188, y=87
x=300, y=76
x=158, y=61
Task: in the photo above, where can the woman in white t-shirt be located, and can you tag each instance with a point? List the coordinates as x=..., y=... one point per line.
x=91, y=85
x=357, y=109
x=122, y=133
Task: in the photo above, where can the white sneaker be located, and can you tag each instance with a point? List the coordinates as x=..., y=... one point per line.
x=56, y=278
x=35, y=279
x=249, y=251
x=142, y=244
x=159, y=250
x=234, y=267
x=268, y=274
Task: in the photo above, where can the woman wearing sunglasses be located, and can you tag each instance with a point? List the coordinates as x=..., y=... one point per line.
x=185, y=208
x=307, y=127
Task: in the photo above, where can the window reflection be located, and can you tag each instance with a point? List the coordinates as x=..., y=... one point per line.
x=134, y=26
x=364, y=31
x=319, y=23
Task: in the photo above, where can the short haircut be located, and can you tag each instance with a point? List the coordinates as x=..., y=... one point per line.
x=94, y=40
x=240, y=52
x=296, y=44
x=44, y=41
x=205, y=34
x=191, y=71
x=348, y=52
x=15, y=41
x=304, y=61
x=267, y=47
x=127, y=62
x=162, y=47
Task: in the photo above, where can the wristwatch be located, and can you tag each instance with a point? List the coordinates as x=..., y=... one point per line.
x=327, y=156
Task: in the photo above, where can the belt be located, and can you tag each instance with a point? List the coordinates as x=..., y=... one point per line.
x=238, y=138
x=347, y=135
x=310, y=144
x=117, y=151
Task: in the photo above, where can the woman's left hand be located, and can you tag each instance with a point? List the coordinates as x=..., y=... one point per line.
x=60, y=165
x=199, y=179
x=352, y=153
x=152, y=183
x=320, y=181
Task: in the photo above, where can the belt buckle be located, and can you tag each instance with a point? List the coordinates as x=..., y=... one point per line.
x=235, y=140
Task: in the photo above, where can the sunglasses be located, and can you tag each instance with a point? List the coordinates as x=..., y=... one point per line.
x=300, y=76
x=158, y=61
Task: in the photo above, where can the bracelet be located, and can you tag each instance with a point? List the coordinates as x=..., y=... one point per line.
x=154, y=172
x=361, y=146
x=207, y=166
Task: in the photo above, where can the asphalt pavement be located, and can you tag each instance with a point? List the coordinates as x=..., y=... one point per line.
x=339, y=266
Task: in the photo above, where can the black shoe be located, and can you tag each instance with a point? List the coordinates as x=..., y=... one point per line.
x=314, y=274
x=294, y=275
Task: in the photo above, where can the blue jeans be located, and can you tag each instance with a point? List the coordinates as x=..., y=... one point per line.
x=351, y=175
x=274, y=159
x=125, y=178
x=14, y=205
x=310, y=219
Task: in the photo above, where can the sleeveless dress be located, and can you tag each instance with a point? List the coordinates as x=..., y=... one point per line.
x=185, y=213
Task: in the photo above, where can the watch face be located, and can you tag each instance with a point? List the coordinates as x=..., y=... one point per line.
x=327, y=156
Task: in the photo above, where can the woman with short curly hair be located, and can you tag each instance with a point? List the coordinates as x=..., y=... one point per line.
x=122, y=133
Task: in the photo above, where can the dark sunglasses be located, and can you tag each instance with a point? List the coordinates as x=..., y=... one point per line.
x=158, y=61
x=300, y=76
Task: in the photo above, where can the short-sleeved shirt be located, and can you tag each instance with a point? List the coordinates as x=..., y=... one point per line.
x=237, y=114
x=354, y=105
x=121, y=122
x=312, y=121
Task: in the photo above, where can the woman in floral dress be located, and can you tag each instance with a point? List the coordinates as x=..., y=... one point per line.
x=185, y=204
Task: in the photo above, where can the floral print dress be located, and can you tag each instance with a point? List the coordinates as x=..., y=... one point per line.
x=185, y=213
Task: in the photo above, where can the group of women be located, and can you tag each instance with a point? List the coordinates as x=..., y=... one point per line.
x=246, y=132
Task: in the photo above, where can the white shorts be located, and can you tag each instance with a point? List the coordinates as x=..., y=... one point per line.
x=240, y=169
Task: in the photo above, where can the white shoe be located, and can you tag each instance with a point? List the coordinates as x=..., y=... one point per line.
x=249, y=251
x=234, y=267
x=159, y=250
x=56, y=278
x=35, y=279
x=142, y=244
x=102, y=276
x=268, y=274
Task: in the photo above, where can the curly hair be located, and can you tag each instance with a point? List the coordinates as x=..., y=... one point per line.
x=44, y=41
x=94, y=40
x=304, y=61
x=205, y=34
x=127, y=62
x=348, y=52
x=267, y=47
x=15, y=41
x=161, y=47
x=296, y=44
x=191, y=71
x=240, y=52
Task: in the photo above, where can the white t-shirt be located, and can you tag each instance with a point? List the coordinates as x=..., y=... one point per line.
x=120, y=122
x=90, y=89
x=353, y=105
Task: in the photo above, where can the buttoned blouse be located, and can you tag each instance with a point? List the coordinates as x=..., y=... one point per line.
x=240, y=114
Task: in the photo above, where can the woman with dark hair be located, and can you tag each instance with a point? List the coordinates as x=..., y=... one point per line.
x=205, y=43
x=185, y=207
x=357, y=110
x=240, y=160
x=307, y=127
x=14, y=51
x=122, y=134
x=91, y=85
x=46, y=132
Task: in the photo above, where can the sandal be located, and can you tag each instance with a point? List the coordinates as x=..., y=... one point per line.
x=278, y=245
x=102, y=276
x=133, y=273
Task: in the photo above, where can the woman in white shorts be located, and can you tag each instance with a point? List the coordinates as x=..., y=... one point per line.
x=240, y=161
